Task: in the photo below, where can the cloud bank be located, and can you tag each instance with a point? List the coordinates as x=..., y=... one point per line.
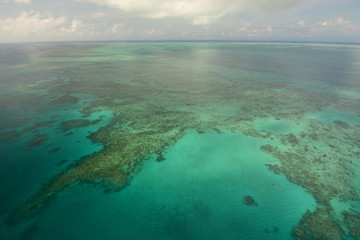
x=36, y=26
x=78, y=20
x=197, y=11
x=19, y=1
x=27, y=25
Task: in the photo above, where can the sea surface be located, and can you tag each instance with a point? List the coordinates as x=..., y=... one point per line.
x=179, y=140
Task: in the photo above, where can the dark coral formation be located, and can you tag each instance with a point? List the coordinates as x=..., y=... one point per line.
x=54, y=150
x=77, y=123
x=250, y=201
x=352, y=221
x=322, y=172
x=9, y=135
x=36, y=141
x=37, y=125
x=14, y=134
x=341, y=124
x=16, y=123
x=160, y=158
x=318, y=225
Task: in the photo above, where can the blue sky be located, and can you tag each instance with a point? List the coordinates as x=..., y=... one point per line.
x=74, y=20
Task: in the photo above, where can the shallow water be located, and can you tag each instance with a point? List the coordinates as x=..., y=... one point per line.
x=186, y=134
x=196, y=193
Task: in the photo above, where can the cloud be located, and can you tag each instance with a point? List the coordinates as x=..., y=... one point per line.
x=198, y=12
x=19, y=1
x=116, y=28
x=301, y=24
x=336, y=22
x=332, y=29
x=28, y=24
x=23, y=1
x=338, y=26
x=36, y=26
x=249, y=30
x=74, y=27
x=98, y=15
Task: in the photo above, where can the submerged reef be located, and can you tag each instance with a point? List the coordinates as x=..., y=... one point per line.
x=36, y=141
x=16, y=123
x=154, y=111
x=249, y=201
x=54, y=150
x=65, y=99
x=352, y=221
x=71, y=124
x=76, y=123
x=318, y=225
x=9, y=135
x=319, y=163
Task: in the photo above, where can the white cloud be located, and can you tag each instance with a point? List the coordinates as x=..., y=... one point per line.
x=301, y=24
x=27, y=25
x=23, y=1
x=19, y=1
x=197, y=11
x=340, y=27
x=249, y=30
x=332, y=29
x=36, y=26
x=339, y=21
x=74, y=27
x=117, y=28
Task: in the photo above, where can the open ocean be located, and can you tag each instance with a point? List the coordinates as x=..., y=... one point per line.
x=179, y=140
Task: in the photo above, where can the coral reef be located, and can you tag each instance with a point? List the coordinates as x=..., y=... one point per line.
x=76, y=123
x=154, y=112
x=250, y=201
x=318, y=225
x=36, y=141
x=16, y=123
x=352, y=221
x=324, y=171
x=13, y=134
x=9, y=135
x=54, y=150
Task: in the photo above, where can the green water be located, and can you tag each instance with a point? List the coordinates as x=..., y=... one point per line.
x=277, y=126
x=196, y=193
x=331, y=115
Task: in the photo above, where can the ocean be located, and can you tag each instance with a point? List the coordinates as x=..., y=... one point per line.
x=179, y=140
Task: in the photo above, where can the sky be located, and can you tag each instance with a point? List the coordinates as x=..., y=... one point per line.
x=259, y=20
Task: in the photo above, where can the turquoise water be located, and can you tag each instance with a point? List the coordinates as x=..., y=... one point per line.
x=196, y=193
x=24, y=169
x=277, y=126
x=331, y=115
x=199, y=129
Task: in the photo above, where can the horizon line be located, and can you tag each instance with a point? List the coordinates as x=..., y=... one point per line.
x=188, y=40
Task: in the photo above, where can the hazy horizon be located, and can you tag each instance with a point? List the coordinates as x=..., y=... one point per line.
x=179, y=20
x=189, y=41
